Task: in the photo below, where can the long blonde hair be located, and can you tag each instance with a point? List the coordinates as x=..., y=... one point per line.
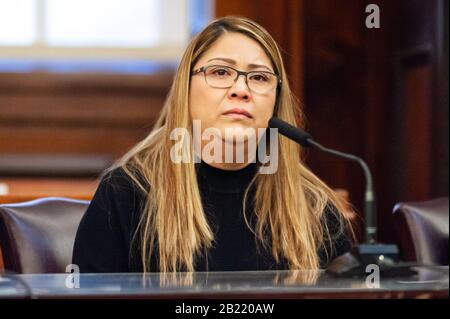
x=288, y=205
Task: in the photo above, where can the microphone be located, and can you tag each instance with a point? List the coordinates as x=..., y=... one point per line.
x=290, y=131
x=354, y=263
x=305, y=139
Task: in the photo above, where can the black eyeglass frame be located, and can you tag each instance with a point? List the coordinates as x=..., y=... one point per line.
x=239, y=73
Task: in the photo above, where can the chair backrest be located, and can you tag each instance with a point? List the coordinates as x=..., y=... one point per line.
x=422, y=230
x=38, y=236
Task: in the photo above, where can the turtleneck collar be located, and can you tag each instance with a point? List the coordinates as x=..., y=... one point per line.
x=225, y=181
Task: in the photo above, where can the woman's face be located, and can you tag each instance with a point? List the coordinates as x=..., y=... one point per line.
x=212, y=105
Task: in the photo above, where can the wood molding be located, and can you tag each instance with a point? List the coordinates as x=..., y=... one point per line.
x=52, y=115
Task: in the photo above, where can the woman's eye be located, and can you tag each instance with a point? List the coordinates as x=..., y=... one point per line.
x=221, y=72
x=259, y=77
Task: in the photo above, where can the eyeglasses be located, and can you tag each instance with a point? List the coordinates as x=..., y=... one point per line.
x=223, y=77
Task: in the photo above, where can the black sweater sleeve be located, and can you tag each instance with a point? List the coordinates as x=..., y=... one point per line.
x=102, y=242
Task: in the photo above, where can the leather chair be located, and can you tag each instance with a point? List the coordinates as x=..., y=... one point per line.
x=422, y=230
x=38, y=236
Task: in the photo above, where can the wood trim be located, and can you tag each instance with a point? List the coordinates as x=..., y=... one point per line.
x=25, y=189
x=69, y=116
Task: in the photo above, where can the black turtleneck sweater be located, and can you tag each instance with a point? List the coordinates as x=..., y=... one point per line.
x=103, y=240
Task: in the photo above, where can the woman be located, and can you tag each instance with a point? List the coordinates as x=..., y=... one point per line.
x=155, y=212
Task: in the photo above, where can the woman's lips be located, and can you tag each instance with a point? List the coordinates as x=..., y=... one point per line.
x=238, y=113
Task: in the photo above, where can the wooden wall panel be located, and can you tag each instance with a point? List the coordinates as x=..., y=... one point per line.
x=334, y=90
x=283, y=19
x=48, y=117
x=418, y=129
x=97, y=139
x=381, y=93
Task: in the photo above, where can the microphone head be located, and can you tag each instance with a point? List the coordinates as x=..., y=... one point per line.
x=290, y=131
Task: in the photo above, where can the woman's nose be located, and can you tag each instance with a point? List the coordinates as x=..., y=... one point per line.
x=240, y=88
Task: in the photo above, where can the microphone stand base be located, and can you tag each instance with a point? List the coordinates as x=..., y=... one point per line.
x=355, y=264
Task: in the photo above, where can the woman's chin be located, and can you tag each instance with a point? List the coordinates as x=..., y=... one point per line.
x=238, y=131
x=233, y=127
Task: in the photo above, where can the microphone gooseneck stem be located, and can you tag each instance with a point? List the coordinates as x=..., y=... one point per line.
x=369, y=198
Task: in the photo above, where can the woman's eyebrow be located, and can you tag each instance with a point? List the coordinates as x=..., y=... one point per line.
x=250, y=66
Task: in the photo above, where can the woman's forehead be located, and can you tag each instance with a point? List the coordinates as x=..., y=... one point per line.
x=239, y=50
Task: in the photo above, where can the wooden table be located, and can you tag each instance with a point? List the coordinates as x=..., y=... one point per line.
x=427, y=282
